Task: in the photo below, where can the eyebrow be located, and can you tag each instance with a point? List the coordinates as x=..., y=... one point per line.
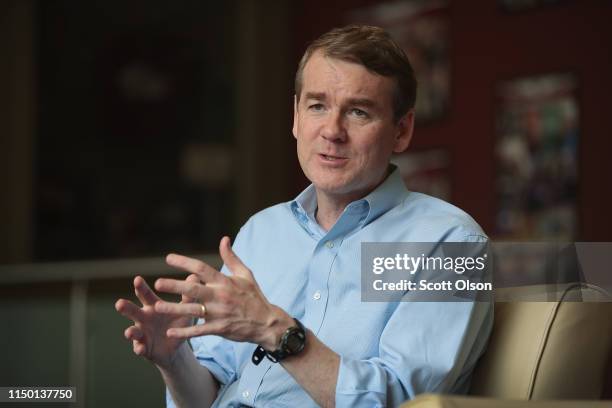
x=365, y=102
x=320, y=96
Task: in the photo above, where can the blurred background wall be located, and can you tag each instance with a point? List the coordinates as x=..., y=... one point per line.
x=132, y=129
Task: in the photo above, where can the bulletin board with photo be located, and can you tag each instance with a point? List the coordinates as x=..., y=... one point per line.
x=537, y=157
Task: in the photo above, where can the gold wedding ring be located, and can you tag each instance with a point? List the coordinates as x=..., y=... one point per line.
x=203, y=312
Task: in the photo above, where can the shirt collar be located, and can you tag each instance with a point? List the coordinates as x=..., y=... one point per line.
x=386, y=196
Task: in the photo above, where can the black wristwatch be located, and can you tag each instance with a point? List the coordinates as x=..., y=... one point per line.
x=292, y=342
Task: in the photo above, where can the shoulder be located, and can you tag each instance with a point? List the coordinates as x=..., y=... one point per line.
x=267, y=224
x=270, y=216
x=436, y=219
x=261, y=231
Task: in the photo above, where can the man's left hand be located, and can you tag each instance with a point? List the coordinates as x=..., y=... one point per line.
x=234, y=306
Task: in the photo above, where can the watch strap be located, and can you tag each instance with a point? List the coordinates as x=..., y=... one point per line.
x=258, y=355
x=281, y=352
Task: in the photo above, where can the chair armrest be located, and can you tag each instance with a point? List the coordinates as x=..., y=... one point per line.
x=453, y=401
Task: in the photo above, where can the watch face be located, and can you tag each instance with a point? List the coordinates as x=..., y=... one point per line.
x=295, y=342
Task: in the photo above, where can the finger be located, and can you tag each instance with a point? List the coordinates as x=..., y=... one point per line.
x=205, y=272
x=182, y=309
x=191, y=290
x=133, y=333
x=129, y=310
x=232, y=261
x=213, y=327
x=140, y=349
x=144, y=292
x=193, y=278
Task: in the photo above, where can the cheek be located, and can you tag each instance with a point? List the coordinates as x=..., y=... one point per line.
x=303, y=150
x=371, y=147
x=305, y=139
x=374, y=154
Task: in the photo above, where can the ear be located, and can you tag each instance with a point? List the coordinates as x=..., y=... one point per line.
x=404, y=129
x=295, y=117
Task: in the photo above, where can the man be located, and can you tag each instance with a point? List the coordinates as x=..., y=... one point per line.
x=291, y=282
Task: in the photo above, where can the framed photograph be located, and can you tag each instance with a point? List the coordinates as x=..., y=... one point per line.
x=421, y=27
x=537, y=157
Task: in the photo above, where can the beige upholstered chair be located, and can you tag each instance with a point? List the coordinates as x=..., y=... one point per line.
x=541, y=353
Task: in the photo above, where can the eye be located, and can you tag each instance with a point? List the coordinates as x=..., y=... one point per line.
x=317, y=107
x=359, y=113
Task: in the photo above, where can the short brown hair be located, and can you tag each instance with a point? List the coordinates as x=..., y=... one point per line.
x=373, y=48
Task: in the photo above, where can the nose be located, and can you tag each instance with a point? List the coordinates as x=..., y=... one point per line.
x=333, y=129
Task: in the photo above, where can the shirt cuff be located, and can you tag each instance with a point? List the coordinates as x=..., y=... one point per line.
x=367, y=383
x=224, y=375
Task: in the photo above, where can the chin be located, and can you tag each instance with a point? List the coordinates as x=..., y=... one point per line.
x=334, y=186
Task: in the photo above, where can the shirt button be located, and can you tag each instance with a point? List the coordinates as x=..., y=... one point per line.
x=317, y=295
x=246, y=393
x=329, y=244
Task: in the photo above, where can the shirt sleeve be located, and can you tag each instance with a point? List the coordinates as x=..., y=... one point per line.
x=425, y=347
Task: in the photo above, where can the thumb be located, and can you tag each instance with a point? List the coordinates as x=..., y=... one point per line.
x=231, y=260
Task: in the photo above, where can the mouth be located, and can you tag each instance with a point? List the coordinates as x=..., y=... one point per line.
x=331, y=158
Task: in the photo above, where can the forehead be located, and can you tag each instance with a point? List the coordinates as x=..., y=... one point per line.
x=328, y=75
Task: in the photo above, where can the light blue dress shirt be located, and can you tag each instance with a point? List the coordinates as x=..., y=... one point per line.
x=390, y=351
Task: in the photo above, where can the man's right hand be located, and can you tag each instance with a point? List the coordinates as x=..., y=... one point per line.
x=148, y=334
